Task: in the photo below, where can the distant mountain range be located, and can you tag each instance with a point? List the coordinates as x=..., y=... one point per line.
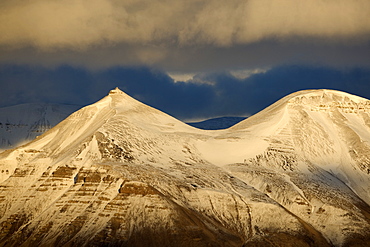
x=20, y=124
x=120, y=173
x=217, y=123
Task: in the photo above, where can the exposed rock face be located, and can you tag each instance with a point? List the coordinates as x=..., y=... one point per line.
x=119, y=173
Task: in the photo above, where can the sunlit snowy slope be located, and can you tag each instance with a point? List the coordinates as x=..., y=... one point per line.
x=120, y=173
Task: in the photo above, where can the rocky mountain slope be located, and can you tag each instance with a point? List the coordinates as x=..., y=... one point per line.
x=120, y=173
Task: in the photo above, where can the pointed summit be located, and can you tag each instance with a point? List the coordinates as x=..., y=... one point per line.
x=115, y=91
x=120, y=97
x=117, y=127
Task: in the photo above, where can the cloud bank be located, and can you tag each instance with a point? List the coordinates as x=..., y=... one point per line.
x=80, y=24
x=206, y=95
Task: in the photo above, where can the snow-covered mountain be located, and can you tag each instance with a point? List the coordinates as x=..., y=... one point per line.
x=217, y=123
x=120, y=173
x=20, y=124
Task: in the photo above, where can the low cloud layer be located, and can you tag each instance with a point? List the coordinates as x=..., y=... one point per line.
x=79, y=24
x=224, y=94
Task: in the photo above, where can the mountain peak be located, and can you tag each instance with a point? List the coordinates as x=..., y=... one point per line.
x=120, y=100
x=328, y=100
x=116, y=91
x=326, y=95
x=322, y=100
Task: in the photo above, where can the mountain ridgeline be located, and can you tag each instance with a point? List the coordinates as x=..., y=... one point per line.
x=22, y=123
x=120, y=173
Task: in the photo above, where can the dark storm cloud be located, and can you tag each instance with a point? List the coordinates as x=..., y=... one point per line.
x=207, y=95
x=193, y=35
x=77, y=24
x=265, y=54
